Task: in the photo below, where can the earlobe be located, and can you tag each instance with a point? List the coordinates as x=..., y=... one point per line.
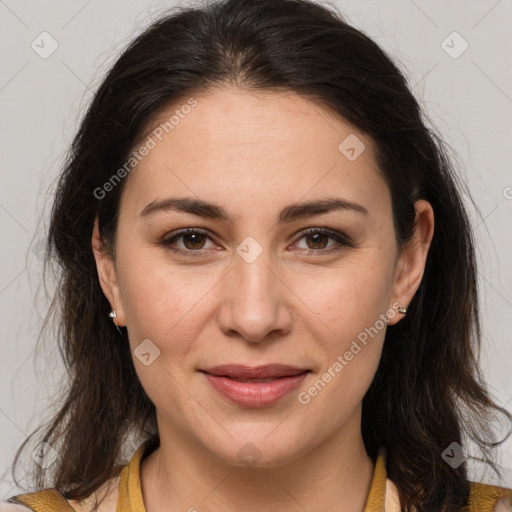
x=411, y=265
x=107, y=275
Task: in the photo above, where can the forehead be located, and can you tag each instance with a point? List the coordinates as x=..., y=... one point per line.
x=252, y=121
x=255, y=148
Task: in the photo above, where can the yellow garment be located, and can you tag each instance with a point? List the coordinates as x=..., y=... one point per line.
x=483, y=497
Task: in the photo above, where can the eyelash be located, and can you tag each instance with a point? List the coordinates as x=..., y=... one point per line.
x=342, y=239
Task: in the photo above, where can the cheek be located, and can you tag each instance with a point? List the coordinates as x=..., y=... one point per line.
x=161, y=302
x=350, y=298
x=163, y=305
x=348, y=312
x=349, y=340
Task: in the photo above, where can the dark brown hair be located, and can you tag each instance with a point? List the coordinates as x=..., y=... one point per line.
x=428, y=390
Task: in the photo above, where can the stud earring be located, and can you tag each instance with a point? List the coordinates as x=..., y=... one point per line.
x=402, y=309
x=113, y=315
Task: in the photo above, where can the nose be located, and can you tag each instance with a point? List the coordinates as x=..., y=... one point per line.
x=255, y=300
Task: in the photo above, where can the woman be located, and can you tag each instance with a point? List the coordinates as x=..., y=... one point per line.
x=268, y=286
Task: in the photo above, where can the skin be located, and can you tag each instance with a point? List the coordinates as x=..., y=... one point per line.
x=254, y=153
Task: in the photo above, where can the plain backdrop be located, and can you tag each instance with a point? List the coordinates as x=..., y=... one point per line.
x=455, y=54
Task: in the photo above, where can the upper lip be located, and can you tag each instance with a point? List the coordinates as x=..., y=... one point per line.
x=255, y=372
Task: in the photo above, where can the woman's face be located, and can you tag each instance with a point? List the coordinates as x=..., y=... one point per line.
x=252, y=288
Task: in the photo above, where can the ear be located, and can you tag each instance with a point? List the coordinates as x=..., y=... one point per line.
x=107, y=275
x=411, y=263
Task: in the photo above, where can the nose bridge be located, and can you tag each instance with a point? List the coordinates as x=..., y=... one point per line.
x=255, y=305
x=252, y=267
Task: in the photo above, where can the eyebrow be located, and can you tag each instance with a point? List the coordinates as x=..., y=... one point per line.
x=288, y=214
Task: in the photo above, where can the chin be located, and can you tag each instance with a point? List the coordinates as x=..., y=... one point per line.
x=260, y=451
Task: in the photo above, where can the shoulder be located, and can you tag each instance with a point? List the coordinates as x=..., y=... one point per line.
x=11, y=505
x=39, y=500
x=44, y=499
x=52, y=499
x=490, y=497
x=483, y=498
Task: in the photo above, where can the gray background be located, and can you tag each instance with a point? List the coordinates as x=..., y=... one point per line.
x=468, y=98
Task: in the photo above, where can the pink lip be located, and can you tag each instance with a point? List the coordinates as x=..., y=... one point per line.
x=255, y=394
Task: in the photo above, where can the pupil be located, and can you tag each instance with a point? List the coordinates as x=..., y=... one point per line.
x=316, y=238
x=194, y=237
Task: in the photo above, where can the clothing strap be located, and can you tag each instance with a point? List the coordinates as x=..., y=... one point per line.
x=486, y=498
x=45, y=500
x=130, y=496
x=375, y=501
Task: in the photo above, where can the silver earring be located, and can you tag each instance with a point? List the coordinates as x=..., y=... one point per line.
x=113, y=315
x=402, y=309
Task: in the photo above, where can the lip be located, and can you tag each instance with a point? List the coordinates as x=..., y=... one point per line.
x=285, y=379
x=266, y=371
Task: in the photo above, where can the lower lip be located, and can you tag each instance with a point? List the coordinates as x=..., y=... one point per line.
x=255, y=394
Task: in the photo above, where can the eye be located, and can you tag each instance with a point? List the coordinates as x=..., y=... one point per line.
x=318, y=238
x=193, y=241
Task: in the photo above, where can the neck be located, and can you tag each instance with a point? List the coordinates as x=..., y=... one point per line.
x=331, y=477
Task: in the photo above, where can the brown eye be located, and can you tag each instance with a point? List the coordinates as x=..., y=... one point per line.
x=318, y=240
x=193, y=240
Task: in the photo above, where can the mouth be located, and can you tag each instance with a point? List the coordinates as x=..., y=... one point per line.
x=254, y=387
x=263, y=373
x=256, y=380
